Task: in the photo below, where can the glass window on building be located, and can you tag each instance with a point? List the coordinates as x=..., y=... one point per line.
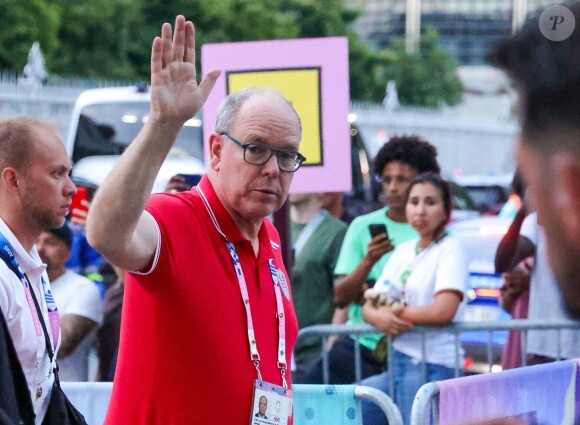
x=468, y=29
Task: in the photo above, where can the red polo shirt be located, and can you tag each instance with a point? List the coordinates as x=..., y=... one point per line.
x=184, y=354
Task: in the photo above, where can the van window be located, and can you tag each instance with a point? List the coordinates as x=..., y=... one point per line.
x=108, y=128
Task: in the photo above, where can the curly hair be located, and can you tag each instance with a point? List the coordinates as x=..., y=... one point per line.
x=411, y=150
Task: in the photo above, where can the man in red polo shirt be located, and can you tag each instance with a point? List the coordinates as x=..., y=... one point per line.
x=208, y=324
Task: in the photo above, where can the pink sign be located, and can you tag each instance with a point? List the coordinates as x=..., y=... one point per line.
x=313, y=74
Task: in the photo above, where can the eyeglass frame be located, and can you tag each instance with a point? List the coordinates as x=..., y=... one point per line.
x=301, y=158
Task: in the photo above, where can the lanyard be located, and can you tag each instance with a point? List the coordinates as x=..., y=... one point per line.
x=254, y=354
x=308, y=230
x=7, y=254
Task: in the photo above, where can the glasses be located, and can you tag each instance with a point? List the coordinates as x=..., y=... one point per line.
x=259, y=154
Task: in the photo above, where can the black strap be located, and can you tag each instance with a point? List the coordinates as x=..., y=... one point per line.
x=39, y=311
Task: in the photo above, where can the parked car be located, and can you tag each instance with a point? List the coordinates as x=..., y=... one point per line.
x=94, y=169
x=105, y=121
x=366, y=193
x=463, y=205
x=489, y=193
x=480, y=238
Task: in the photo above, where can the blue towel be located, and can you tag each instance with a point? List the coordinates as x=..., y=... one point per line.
x=326, y=405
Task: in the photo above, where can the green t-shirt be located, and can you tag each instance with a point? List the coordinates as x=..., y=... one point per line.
x=312, y=280
x=353, y=250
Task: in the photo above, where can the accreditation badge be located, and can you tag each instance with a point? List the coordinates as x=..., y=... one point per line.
x=271, y=404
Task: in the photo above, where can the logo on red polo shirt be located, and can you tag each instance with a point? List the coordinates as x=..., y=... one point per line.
x=283, y=283
x=279, y=278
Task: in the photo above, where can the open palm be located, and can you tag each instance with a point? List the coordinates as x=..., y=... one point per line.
x=175, y=94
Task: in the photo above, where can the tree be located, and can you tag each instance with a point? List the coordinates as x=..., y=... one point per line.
x=215, y=21
x=424, y=78
x=250, y=20
x=22, y=22
x=112, y=39
x=95, y=39
x=327, y=18
x=367, y=72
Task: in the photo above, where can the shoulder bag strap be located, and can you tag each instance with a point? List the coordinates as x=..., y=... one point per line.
x=46, y=338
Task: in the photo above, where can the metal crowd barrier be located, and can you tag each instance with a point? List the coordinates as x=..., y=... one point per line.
x=339, y=404
x=319, y=404
x=325, y=331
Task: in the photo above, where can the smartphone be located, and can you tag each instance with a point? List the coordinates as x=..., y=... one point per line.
x=377, y=229
x=191, y=179
x=79, y=204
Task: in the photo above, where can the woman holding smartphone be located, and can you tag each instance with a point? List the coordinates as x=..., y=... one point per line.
x=425, y=281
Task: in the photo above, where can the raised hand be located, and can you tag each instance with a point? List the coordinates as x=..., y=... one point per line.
x=175, y=94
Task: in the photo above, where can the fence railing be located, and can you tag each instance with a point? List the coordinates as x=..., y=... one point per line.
x=523, y=325
x=52, y=101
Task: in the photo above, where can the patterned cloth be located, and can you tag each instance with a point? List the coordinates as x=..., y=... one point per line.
x=326, y=404
x=542, y=394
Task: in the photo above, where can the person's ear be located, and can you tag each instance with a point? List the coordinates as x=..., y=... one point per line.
x=566, y=169
x=215, y=150
x=10, y=179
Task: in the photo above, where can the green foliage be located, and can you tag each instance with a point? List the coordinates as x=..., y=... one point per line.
x=318, y=18
x=426, y=77
x=95, y=39
x=367, y=81
x=329, y=18
x=112, y=39
x=22, y=22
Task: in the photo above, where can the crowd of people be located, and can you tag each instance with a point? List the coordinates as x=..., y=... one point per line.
x=207, y=304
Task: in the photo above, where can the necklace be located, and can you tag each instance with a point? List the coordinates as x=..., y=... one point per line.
x=419, y=249
x=404, y=277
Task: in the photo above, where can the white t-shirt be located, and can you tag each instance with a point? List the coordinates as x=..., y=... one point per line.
x=440, y=267
x=546, y=300
x=75, y=294
x=20, y=322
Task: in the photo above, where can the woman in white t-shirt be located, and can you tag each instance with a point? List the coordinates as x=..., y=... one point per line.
x=423, y=283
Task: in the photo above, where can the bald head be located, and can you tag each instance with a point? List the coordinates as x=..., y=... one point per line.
x=17, y=141
x=231, y=105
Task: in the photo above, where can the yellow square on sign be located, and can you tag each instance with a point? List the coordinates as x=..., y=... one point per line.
x=301, y=86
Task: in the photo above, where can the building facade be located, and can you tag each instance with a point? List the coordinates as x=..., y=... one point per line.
x=468, y=29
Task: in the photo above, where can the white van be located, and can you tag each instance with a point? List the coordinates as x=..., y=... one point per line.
x=105, y=121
